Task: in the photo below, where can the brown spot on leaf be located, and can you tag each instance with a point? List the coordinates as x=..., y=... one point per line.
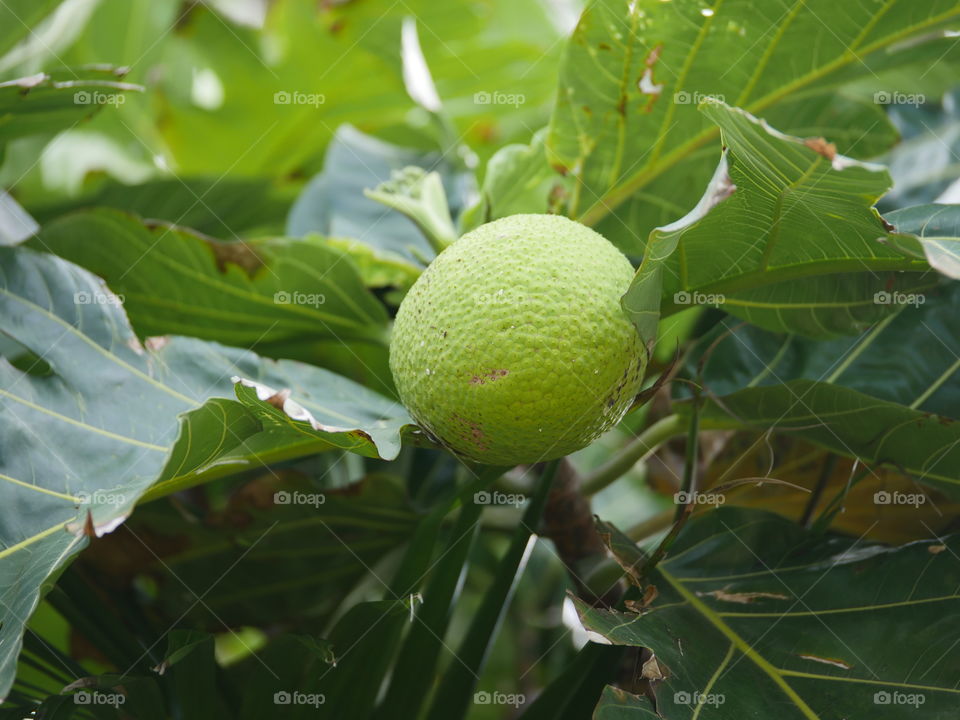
x=822, y=147
x=653, y=671
x=89, y=529
x=279, y=398
x=234, y=253
x=936, y=549
x=828, y=661
x=156, y=342
x=647, y=82
x=743, y=598
x=653, y=56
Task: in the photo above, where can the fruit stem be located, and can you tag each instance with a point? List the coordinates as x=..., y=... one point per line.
x=640, y=448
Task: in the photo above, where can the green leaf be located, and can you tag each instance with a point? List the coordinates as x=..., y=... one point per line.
x=365, y=421
x=753, y=613
x=416, y=662
x=419, y=195
x=96, y=430
x=308, y=537
x=828, y=306
x=289, y=664
x=571, y=693
x=633, y=72
x=454, y=693
x=340, y=63
x=19, y=17
x=848, y=423
x=45, y=104
x=936, y=235
x=360, y=643
x=253, y=293
x=191, y=670
x=778, y=209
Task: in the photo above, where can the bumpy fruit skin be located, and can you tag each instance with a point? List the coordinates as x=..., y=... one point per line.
x=512, y=346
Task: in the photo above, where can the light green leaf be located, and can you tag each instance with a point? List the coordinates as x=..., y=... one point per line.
x=625, y=121
x=778, y=209
x=45, y=104
x=19, y=17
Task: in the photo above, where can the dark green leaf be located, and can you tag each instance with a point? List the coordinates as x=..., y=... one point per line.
x=753, y=615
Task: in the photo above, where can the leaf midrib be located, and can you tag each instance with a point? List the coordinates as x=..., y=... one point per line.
x=741, y=644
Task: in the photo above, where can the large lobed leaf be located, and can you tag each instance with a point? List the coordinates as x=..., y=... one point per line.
x=754, y=614
x=625, y=124
x=785, y=236
x=89, y=420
